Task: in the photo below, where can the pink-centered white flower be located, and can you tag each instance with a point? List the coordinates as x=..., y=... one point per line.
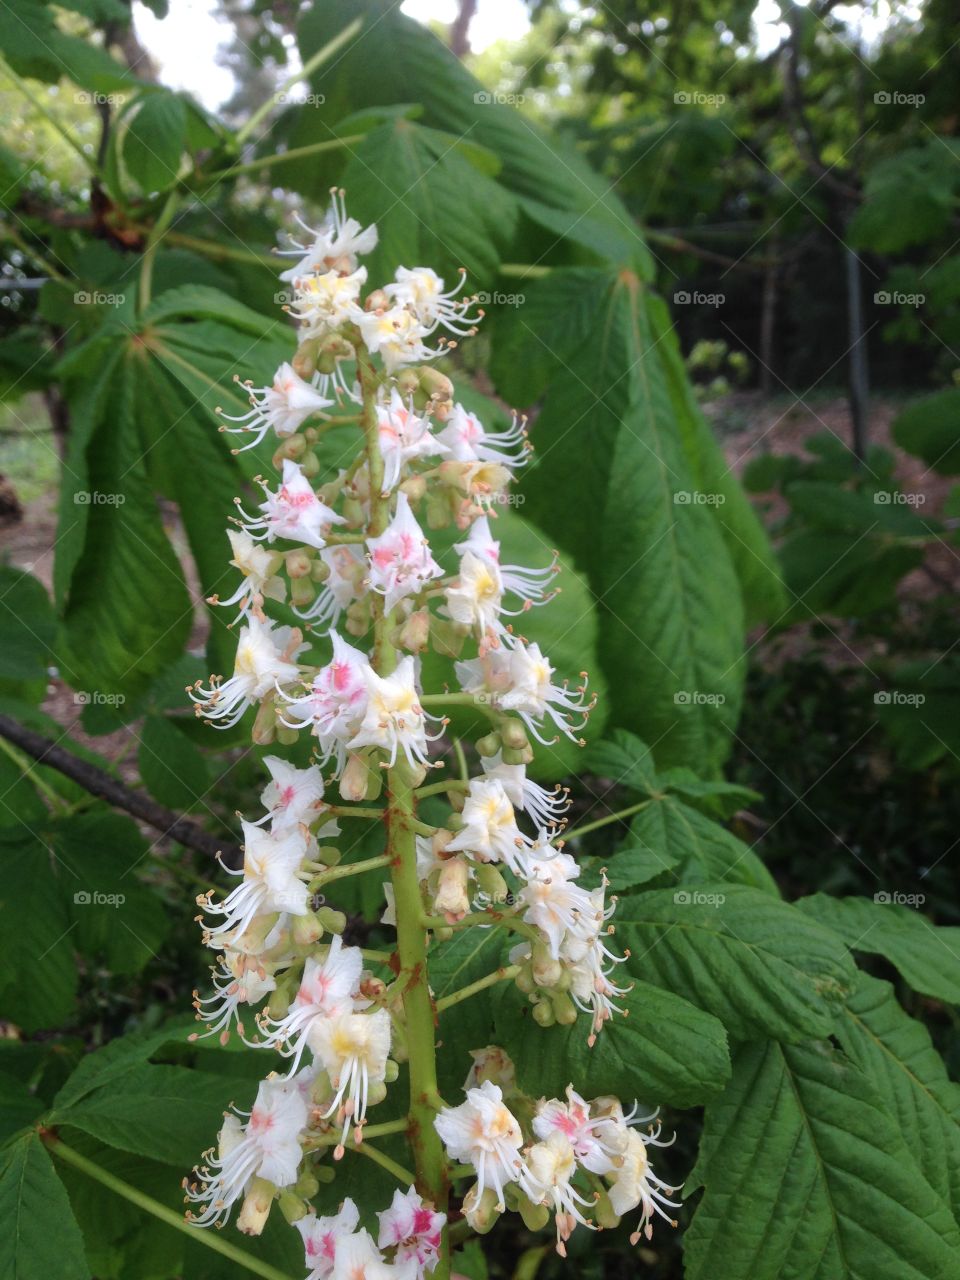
x=597, y=1132
x=267, y=1146
x=272, y=881
x=335, y=244
x=394, y=721
x=284, y=407
x=546, y=1179
x=259, y=568
x=358, y=1258
x=520, y=679
x=400, y=559
x=490, y=832
x=293, y=513
x=412, y=1228
x=322, y=1235
x=292, y=796
x=404, y=436
x=335, y=704
x=240, y=978
x=468, y=441
x=528, y=585
x=635, y=1184
x=483, y=1132
x=353, y=1049
x=328, y=988
x=264, y=660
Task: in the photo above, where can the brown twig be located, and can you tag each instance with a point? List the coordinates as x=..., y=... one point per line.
x=100, y=783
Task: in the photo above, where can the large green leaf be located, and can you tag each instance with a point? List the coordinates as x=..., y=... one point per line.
x=40, y=1236
x=666, y=1050
x=929, y=429
x=708, y=850
x=742, y=955
x=614, y=486
x=927, y=955
x=806, y=1175
x=896, y=1055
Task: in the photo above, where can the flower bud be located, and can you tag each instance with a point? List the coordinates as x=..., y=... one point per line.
x=303, y=592
x=377, y=300
x=535, y=1216
x=292, y=1206
x=293, y=447
x=481, y=1211
x=543, y=1014
x=307, y=1184
x=310, y=465
x=414, y=487
x=329, y=855
x=306, y=930
x=256, y=1207
x=603, y=1213
x=492, y=883
x=305, y=361
x=332, y=921
x=414, y=635
x=356, y=780
x=439, y=511
x=513, y=735
x=285, y=735
x=408, y=382
x=299, y=563
x=452, y=899
x=265, y=724
x=447, y=637
x=494, y=1064
x=489, y=744
x=358, y=618
x=391, y=1071
x=564, y=1010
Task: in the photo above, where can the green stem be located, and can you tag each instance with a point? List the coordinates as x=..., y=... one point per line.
x=222, y=251
x=430, y=1164
x=27, y=768
x=399, y=1172
x=153, y=241
x=436, y=788
x=602, y=822
x=352, y=811
x=319, y=58
x=35, y=255
x=211, y=1239
x=461, y=761
x=499, y=975
x=283, y=157
x=342, y=871
x=491, y=918
x=476, y=701
x=369, y=1131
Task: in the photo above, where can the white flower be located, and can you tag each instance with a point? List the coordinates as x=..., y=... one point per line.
x=344, y=584
x=413, y=1229
x=292, y=795
x=353, y=1049
x=475, y=597
x=483, y=1132
x=598, y=1139
x=358, y=1258
x=422, y=291
x=634, y=1183
x=322, y=303
x=404, y=435
x=335, y=704
x=397, y=334
x=589, y=961
x=239, y=978
x=322, y=1235
x=527, y=584
x=545, y=807
x=264, y=660
x=294, y=512
x=400, y=559
x=328, y=989
x=268, y=1146
x=271, y=881
x=335, y=245
x=520, y=681
x=394, y=720
x=284, y=406
x=558, y=907
x=468, y=441
x=490, y=832
x=546, y=1180
x=258, y=566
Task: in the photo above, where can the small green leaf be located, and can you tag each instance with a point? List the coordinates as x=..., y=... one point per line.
x=40, y=1238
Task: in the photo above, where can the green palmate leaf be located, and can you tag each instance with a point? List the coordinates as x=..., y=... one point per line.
x=430, y=200
x=167, y=1113
x=896, y=1055
x=28, y=626
x=742, y=955
x=151, y=137
x=843, y=573
x=40, y=1236
x=928, y=429
x=38, y=975
x=103, y=1067
x=625, y=760
x=634, y=865
x=927, y=956
x=18, y=1107
x=469, y=955
x=172, y=768
x=707, y=850
x=629, y=511
x=115, y=916
x=807, y=1175
x=666, y=1050
x=532, y=165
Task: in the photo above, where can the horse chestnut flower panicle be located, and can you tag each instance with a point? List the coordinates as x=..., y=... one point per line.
x=348, y=1027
